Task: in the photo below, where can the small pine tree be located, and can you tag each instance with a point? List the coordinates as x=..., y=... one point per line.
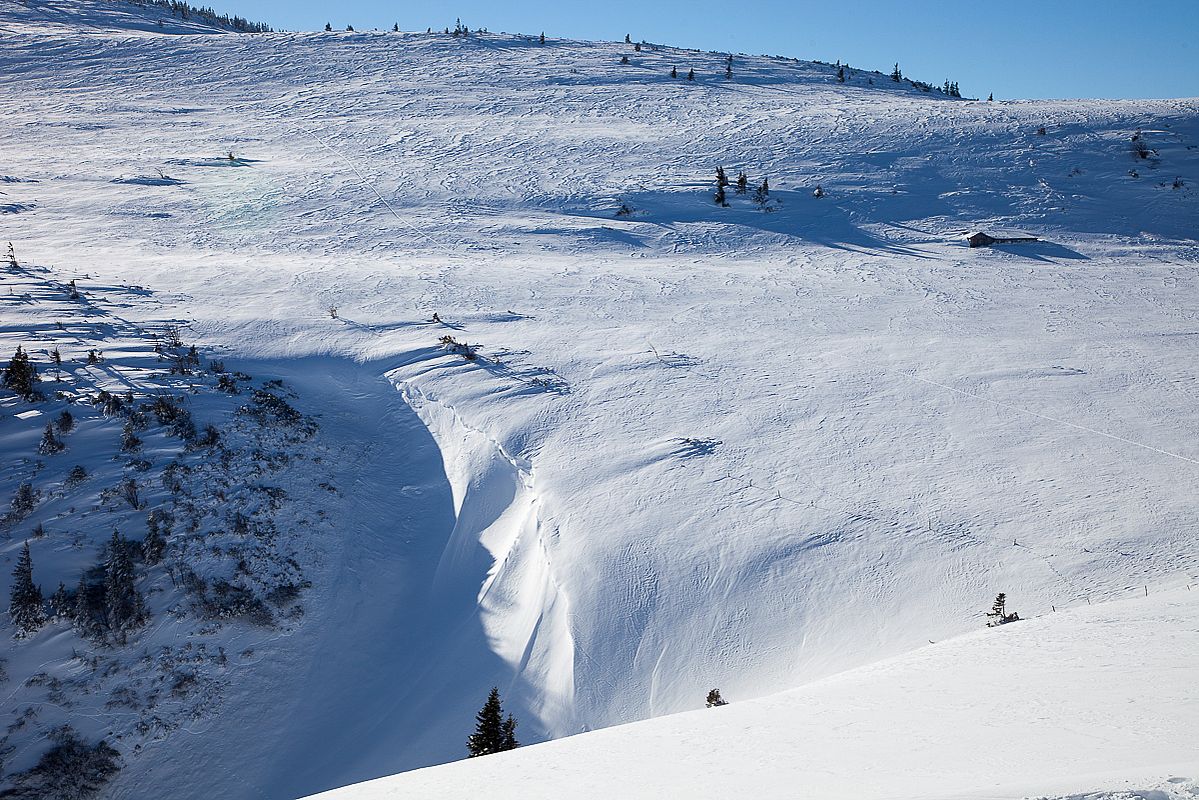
x=543, y=37
x=627, y=39
x=840, y=74
x=395, y=28
x=50, y=443
x=721, y=178
x=350, y=28
x=720, y=197
x=65, y=422
x=23, y=501
x=762, y=193
x=624, y=59
x=991, y=97
x=637, y=47
x=21, y=375
x=328, y=26
x=714, y=699
x=11, y=256
x=493, y=733
x=123, y=605
x=998, y=613
x=25, y=599
x=691, y=74
x=742, y=183
x=62, y=604
x=509, y=734
x=154, y=544
x=674, y=73
x=130, y=443
x=896, y=75
x=72, y=290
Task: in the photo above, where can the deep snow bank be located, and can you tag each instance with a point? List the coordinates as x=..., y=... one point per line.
x=1088, y=701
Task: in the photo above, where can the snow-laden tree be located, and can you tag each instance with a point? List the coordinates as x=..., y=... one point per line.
x=123, y=603
x=25, y=600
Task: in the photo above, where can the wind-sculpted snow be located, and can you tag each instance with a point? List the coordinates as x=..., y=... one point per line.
x=600, y=441
x=1054, y=708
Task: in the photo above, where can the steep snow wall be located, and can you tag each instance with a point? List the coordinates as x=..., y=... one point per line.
x=1096, y=702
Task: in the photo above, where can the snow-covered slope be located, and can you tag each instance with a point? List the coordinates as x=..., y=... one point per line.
x=115, y=17
x=700, y=446
x=1098, y=700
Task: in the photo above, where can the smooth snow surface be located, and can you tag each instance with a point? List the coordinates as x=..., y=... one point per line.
x=700, y=446
x=1096, y=701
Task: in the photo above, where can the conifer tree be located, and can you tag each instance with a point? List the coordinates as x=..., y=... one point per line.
x=25, y=599
x=21, y=375
x=543, y=37
x=328, y=26
x=742, y=183
x=840, y=74
x=714, y=699
x=153, y=545
x=721, y=178
x=624, y=59
x=991, y=97
x=627, y=39
x=720, y=196
x=896, y=75
x=509, y=732
x=637, y=47
x=123, y=603
x=674, y=73
x=61, y=606
x=50, y=443
x=493, y=733
x=998, y=612
x=395, y=28
x=23, y=501
x=130, y=443
x=65, y=422
x=691, y=75
x=762, y=193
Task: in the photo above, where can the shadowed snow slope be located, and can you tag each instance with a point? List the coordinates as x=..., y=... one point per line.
x=698, y=446
x=1091, y=701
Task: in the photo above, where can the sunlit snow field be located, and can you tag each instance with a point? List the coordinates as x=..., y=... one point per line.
x=699, y=446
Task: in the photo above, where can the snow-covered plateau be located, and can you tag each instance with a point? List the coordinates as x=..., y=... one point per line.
x=432, y=365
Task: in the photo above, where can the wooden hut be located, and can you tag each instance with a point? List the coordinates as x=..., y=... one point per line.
x=986, y=239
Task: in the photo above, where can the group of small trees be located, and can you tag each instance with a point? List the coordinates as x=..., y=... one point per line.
x=185, y=11
x=761, y=193
x=109, y=607
x=494, y=733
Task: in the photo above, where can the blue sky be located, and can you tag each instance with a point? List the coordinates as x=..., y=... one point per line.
x=1014, y=48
